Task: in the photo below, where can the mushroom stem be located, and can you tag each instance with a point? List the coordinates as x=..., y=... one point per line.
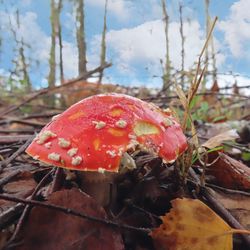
x=98, y=186
x=101, y=186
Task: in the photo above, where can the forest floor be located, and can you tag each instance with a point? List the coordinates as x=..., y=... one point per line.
x=43, y=207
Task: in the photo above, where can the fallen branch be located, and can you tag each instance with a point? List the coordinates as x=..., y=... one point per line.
x=75, y=213
x=54, y=89
x=5, y=139
x=9, y=177
x=16, y=154
x=208, y=93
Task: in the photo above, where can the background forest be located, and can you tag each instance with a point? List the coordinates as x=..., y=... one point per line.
x=73, y=37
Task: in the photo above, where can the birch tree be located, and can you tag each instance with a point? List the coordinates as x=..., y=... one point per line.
x=167, y=68
x=182, y=47
x=52, y=58
x=21, y=63
x=80, y=36
x=103, y=42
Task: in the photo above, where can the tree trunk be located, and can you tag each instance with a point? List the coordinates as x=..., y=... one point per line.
x=167, y=68
x=52, y=59
x=182, y=47
x=21, y=65
x=24, y=68
x=103, y=43
x=59, y=35
x=80, y=36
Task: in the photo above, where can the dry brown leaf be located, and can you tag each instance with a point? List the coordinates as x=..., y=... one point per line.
x=192, y=225
x=238, y=204
x=21, y=186
x=4, y=236
x=228, y=172
x=51, y=229
x=217, y=140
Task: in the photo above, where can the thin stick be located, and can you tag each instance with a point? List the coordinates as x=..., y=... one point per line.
x=6, y=179
x=75, y=213
x=238, y=231
x=228, y=191
x=208, y=37
x=6, y=139
x=204, y=48
x=16, y=154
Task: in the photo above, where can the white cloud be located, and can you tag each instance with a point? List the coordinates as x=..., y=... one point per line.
x=39, y=42
x=29, y=31
x=120, y=8
x=237, y=29
x=130, y=11
x=144, y=45
x=229, y=79
x=26, y=3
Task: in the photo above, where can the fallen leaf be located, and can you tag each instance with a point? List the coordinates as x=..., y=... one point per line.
x=238, y=205
x=21, y=186
x=4, y=236
x=228, y=172
x=51, y=229
x=192, y=225
x=217, y=140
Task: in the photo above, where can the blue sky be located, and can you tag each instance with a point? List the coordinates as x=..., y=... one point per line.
x=135, y=38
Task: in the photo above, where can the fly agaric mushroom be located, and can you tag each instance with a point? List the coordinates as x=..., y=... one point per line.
x=95, y=133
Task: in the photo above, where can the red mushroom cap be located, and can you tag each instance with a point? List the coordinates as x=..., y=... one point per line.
x=94, y=133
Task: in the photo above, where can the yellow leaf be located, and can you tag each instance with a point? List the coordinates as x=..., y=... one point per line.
x=192, y=225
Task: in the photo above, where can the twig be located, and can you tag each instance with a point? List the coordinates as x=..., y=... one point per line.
x=232, y=145
x=242, y=148
x=10, y=215
x=149, y=214
x=75, y=213
x=6, y=139
x=207, y=93
x=29, y=123
x=45, y=115
x=16, y=154
x=10, y=131
x=6, y=179
x=228, y=191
